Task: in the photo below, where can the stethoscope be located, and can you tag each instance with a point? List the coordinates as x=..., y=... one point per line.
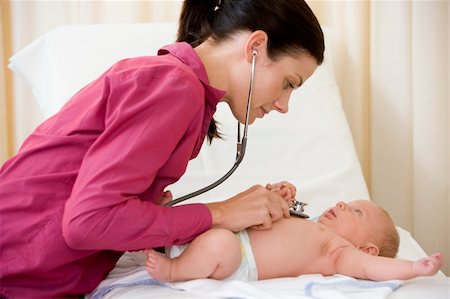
x=296, y=208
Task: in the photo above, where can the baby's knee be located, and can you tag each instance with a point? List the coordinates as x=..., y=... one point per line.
x=220, y=240
x=226, y=245
x=221, y=236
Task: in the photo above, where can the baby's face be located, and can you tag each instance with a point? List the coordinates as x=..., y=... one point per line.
x=356, y=221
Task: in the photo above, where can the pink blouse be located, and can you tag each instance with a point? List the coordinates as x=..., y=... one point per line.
x=86, y=184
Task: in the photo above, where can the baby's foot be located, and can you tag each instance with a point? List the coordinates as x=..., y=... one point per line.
x=158, y=265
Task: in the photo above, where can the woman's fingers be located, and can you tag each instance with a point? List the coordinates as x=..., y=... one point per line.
x=256, y=207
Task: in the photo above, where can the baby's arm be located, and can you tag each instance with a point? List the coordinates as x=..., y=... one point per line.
x=428, y=266
x=353, y=262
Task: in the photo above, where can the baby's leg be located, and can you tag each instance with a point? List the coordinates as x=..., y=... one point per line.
x=215, y=254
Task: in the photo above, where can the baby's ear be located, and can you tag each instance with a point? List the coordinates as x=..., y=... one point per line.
x=370, y=248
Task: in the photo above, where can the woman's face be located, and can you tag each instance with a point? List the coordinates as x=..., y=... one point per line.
x=273, y=84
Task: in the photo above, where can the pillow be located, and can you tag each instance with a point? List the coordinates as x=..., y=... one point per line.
x=311, y=146
x=61, y=62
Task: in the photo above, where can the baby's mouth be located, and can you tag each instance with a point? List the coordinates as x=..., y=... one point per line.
x=330, y=214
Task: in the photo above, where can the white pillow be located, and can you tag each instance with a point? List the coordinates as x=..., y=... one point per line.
x=61, y=62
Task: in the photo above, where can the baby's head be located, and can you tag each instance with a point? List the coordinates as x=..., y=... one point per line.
x=365, y=224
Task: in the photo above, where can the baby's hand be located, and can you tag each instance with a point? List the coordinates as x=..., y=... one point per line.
x=428, y=266
x=285, y=189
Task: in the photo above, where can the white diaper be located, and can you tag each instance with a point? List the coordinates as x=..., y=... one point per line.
x=247, y=270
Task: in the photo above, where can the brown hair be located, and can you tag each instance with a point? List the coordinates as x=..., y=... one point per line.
x=290, y=25
x=389, y=240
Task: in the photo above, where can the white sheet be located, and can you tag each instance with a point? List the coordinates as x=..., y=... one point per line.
x=311, y=146
x=305, y=286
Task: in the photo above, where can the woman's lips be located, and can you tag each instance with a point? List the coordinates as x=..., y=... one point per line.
x=263, y=112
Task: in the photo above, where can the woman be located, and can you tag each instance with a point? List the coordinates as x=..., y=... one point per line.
x=89, y=182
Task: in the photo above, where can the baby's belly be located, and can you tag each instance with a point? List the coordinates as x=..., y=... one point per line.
x=292, y=247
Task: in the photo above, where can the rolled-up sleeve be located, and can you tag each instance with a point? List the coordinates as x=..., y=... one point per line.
x=149, y=118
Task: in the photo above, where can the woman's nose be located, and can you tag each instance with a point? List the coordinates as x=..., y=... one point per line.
x=282, y=105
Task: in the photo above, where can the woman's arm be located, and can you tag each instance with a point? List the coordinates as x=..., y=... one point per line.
x=149, y=118
x=353, y=262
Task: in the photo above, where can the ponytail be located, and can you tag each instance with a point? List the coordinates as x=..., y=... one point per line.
x=195, y=21
x=194, y=28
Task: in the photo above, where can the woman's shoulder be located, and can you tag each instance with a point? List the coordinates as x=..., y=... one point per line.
x=159, y=72
x=152, y=65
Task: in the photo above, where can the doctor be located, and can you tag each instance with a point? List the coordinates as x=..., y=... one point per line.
x=89, y=182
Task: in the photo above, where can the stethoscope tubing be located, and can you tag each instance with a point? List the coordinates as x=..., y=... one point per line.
x=240, y=146
x=213, y=185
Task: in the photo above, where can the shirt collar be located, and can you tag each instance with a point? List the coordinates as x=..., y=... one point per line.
x=184, y=52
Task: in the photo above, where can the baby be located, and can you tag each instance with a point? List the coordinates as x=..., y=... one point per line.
x=356, y=239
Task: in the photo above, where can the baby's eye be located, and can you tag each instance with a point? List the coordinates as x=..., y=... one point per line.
x=289, y=84
x=359, y=212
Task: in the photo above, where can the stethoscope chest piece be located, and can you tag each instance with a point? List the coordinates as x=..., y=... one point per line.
x=297, y=209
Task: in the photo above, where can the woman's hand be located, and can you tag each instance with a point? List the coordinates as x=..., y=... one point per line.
x=258, y=207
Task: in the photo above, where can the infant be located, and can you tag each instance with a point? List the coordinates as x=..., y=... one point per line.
x=356, y=239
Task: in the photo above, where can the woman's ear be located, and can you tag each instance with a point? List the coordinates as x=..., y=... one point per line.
x=256, y=42
x=370, y=249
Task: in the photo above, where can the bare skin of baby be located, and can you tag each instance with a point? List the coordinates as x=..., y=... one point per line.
x=342, y=241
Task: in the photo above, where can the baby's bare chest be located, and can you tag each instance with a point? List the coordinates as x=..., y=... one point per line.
x=295, y=246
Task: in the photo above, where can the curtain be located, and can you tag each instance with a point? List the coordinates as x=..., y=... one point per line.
x=6, y=136
x=391, y=60
x=350, y=22
x=410, y=151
